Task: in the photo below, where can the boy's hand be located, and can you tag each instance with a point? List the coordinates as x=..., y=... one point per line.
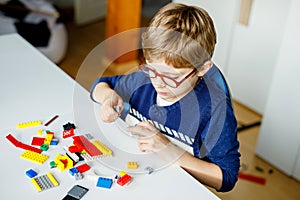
x=111, y=107
x=149, y=138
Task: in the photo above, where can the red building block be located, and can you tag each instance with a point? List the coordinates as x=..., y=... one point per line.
x=83, y=168
x=68, y=133
x=30, y=148
x=81, y=141
x=252, y=178
x=37, y=141
x=75, y=149
x=13, y=140
x=21, y=145
x=124, y=180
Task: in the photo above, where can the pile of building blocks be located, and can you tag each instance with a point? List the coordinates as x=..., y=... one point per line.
x=44, y=143
x=83, y=149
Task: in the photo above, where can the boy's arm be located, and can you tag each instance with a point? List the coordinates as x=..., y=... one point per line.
x=220, y=153
x=109, y=100
x=101, y=92
x=205, y=172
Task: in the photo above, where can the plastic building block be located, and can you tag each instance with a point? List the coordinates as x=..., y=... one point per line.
x=117, y=177
x=69, y=126
x=51, y=120
x=68, y=133
x=252, y=178
x=34, y=157
x=73, y=171
x=74, y=149
x=19, y=144
x=149, y=170
x=104, y=182
x=132, y=165
x=37, y=141
x=31, y=173
x=63, y=162
x=77, y=192
x=54, y=141
x=29, y=148
x=89, y=136
x=84, y=143
x=29, y=124
x=83, y=168
x=104, y=149
x=44, y=182
x=88, y=158
x=124, y=180
x=73, y=156
x=122, y=173
x=40, y=132
x=44, y=147
x=53, y=164
x=48, y=138
x=13, y=140
x=78, y=176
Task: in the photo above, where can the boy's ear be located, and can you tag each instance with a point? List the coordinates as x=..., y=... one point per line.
x=204, y=68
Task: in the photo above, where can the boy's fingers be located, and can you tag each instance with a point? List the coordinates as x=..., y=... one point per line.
x=139, y=131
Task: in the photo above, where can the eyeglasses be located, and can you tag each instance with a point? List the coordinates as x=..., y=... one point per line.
x=166, y=79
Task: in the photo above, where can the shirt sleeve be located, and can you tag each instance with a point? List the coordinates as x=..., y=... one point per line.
x=111, y=81
x=124, y=85
x=222, y=149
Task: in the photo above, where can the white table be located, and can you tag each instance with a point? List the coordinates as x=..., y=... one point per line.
x=33, y=88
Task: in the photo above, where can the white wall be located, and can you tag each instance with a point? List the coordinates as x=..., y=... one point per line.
x=254, y=52
x=279, y=138
x=224, y=15
x=247, y=54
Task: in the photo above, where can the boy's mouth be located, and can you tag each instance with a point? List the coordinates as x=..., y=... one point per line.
x=162, y=93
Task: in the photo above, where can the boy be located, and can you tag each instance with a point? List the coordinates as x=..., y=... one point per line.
x=179, y=97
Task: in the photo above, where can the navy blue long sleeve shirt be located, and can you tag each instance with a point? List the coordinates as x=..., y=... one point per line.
x=203, y=119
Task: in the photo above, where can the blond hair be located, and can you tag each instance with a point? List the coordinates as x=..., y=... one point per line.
x=180, y=35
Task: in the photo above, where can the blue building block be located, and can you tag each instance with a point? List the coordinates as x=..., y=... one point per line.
x=104, y=182
x=31, y=173
x=54, y=141
x=73, y=171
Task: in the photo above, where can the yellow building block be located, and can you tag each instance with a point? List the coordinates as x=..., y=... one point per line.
x=132, y=165
x=52, y=179
x=34, y=157
x=48, y=138
x=63, y=162
x=104, y=149
x=36, y=185
x=29, y=124
x=40, y=132
x=44, y=182
x=122, y=173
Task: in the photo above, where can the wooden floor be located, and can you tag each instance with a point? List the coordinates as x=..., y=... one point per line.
x=82, y=40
